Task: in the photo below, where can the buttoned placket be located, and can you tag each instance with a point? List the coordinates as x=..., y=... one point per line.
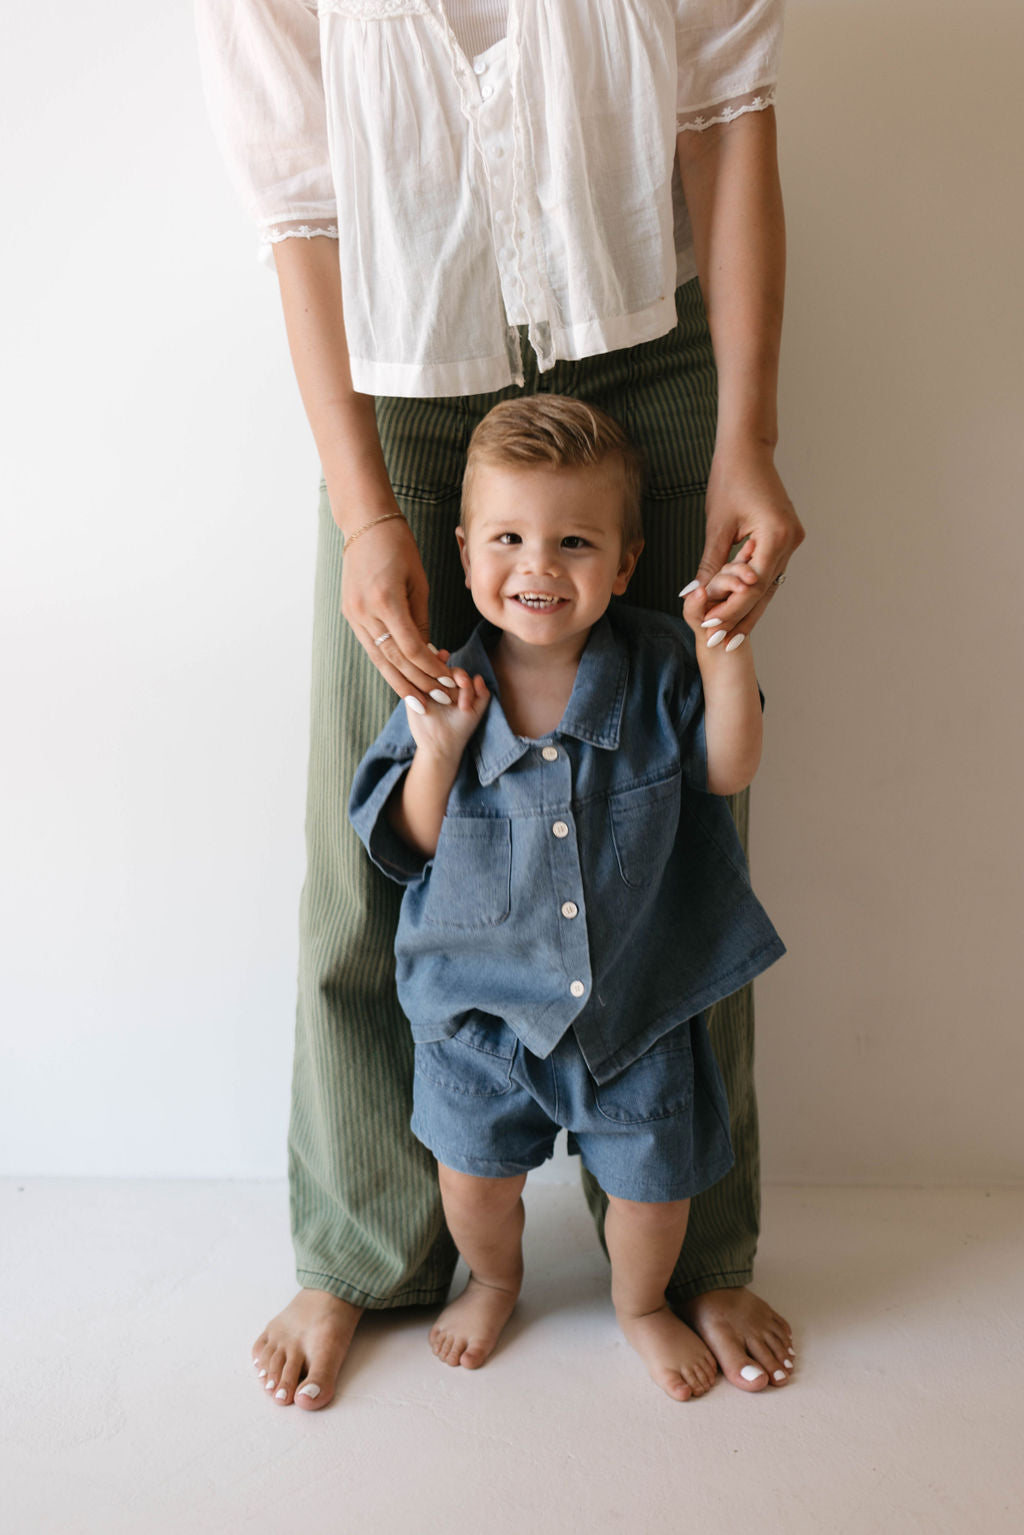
x=566, y=897
x=520, y=286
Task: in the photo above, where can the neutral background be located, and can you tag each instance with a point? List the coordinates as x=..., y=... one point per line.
x=158, y=494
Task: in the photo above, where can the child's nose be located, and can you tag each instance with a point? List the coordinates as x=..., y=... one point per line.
x=540, y=557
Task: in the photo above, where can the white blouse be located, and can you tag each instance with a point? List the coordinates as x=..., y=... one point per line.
x=534, y=184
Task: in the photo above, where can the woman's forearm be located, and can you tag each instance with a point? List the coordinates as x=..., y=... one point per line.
x=343, y=422
x=731, y=183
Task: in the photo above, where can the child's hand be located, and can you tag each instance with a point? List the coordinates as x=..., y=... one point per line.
x=443, y=729
x=701, y=603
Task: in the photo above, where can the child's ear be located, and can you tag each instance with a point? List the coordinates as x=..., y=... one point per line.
x=460, y=535
x=627, y=567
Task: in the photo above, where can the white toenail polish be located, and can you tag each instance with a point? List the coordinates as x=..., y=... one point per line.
x=281, y=1396
x=788, y=1363
x=270, y=1385
x=751, y=1372
x=261, y=1374
x=311, y=1390
x=779, y=1375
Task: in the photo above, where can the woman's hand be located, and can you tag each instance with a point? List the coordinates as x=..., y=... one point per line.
x=746, y=504
x=384, y=598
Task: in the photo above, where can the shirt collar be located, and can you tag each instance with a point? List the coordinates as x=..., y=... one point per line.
x=593, y=713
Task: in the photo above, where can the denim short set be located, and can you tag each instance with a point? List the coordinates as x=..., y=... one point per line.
x=485, y=1105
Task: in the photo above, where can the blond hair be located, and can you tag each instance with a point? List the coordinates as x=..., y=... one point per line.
x=556, y=432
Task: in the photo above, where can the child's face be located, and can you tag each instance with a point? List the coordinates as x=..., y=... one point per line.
x=543, y=549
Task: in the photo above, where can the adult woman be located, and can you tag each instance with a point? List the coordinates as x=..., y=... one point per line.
x=497, y=188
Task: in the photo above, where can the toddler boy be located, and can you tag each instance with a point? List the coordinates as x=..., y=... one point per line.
x=575, y=892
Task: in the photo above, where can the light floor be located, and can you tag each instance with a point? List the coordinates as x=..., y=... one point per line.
x=129, y=1404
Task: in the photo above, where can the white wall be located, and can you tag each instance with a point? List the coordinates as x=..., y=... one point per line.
x=158, y=500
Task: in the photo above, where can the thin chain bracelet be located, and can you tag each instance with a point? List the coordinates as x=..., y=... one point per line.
x=351, y=537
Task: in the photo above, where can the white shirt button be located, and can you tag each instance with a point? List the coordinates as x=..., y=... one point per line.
x=577, y=988
x=480, y=67
x=570, y=909
x=549, y=753
x=560, y=829
x=487, y=92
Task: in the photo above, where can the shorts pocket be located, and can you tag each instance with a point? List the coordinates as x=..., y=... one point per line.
x=476, y=1062
x=656, y=1086
x=470, y=881
x=643, y=825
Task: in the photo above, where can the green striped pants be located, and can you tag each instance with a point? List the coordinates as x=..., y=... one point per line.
x=366, y=1216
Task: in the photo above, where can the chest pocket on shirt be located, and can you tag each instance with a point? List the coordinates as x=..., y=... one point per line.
x=643, y=823
x=470, y=883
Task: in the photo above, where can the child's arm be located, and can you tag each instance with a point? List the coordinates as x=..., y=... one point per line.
x=732, y=702
x=417, y=807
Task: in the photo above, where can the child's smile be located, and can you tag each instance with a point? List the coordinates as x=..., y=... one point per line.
x=543, y=552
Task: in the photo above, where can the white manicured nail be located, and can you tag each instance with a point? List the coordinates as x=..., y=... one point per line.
x=310, y=1391
x=255, y=1364
x=415, y=705
x=261, y=1374
x=711, y=623
x=751, y=1372
x=688, y=589
x=448, y=682
x=788, y=1363
x=779, y=1375
x=439, y=697
x=736, y=642
x=281, y=1396
x=433, y=648
x=716, y=638
x=270, y=1385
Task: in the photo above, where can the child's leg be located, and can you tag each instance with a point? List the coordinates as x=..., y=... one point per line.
x=643, y=1245
x=485, y=1218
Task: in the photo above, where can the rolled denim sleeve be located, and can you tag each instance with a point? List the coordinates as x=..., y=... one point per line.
x=376, y=778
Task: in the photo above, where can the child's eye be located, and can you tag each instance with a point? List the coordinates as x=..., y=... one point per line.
x=574, y=541
x=509, y=538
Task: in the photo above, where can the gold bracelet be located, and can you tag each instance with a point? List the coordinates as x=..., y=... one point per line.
x=350, y=538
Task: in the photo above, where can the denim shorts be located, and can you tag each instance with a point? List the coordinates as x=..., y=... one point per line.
x=484, y=1105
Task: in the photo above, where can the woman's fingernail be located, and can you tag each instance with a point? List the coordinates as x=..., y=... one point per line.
x=711, y=623
x=281, y=1396
x=751, y=1372
x=716, y=638
x=433, y=648
x=688, y=589
x=415, y=705
x=448, y=682
x=439, y=697
x=736, y=642
x=310, y=1391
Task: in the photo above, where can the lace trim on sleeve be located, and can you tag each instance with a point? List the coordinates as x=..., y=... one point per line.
x=725, y=111
x=278, y=232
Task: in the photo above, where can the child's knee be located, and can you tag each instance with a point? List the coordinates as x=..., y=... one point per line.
x=478, y=1197
x=650, y=1215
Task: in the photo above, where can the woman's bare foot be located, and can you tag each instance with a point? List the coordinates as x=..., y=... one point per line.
x=303, y=1348
x=752, y=1343
x=676, y=1359
x=466, y=1331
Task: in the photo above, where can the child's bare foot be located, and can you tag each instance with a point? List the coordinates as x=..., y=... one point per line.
x=466, y=1331
x=676, y=1359
x=303, y=1348
x=752, y=1343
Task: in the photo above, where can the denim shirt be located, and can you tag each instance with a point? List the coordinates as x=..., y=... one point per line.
x=584, y=880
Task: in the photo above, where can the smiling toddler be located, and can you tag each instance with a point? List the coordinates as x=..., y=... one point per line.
x=575, y=893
